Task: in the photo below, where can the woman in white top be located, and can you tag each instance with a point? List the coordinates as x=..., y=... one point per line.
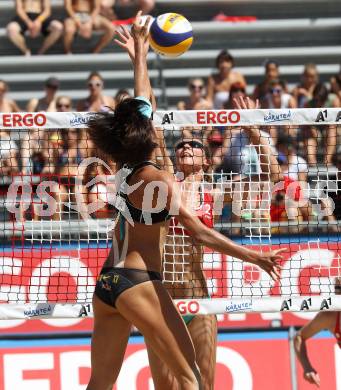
x=293, y=166
x=196, y=99
x=277, y=97
x=219, y=84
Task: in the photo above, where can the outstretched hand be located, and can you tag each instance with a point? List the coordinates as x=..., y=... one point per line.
x=139, y=31
x=245, y=103
x=312, y=377
x=126, y=41
x=269, y=262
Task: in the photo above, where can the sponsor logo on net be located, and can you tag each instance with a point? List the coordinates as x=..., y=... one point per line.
x=272, y=116
x=42, y=309
x=217, y=117
x=188, y=307
x=23, y=120
x=238, y=306
x=79, y=120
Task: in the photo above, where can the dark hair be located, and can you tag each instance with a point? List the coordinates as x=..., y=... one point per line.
x=120, y=94
x=270, y=62
x=320, y=93
x=123, y=134
x=224, y=56
x=280, y=82
x=286, y=140
x=94, y=74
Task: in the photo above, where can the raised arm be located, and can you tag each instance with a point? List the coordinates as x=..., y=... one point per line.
x=268, y=160
x=126, y=41
x=139, y=33
x=320, y=322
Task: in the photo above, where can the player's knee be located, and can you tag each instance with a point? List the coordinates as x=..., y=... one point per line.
x=13, y=29
x=191, y=378
x=69, y=27
x=57, y=27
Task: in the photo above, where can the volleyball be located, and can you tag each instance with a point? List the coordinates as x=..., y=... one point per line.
x=171, y=35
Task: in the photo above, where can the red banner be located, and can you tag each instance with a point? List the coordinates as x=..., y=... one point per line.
x=249, y=364
x=65, y=274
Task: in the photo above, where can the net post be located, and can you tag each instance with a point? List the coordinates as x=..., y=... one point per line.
x=293, y=366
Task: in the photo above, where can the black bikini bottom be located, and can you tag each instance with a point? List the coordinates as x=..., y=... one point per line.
x=113, y=281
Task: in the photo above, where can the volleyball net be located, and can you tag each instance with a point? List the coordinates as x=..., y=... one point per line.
x=58, y=194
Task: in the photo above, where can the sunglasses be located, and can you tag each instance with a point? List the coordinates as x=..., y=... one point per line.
x=192, y=144
x=95, y=84
x=275, y=91
x=194, y=86
x=63, y=105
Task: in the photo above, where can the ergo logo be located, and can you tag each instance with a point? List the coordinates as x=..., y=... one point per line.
x=188, y=307
x=23, y=120
x=220, y=117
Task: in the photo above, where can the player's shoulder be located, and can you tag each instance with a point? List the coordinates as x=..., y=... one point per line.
x=151, y=173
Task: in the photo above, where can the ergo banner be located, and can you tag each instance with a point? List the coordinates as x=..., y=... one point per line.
x=70, y=274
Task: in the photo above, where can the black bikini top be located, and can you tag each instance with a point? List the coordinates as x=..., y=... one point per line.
x=137, y=215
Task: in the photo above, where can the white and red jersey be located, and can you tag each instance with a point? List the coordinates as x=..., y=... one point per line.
x=204, y=212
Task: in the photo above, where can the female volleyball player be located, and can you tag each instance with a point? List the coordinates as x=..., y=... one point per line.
x=330, y=320
x=183, y=258
x=129, y=289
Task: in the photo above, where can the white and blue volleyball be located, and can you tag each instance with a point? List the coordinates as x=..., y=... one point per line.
x=171, y=35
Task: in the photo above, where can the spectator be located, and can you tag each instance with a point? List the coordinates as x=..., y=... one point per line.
x=35, y=18
x=96, y=101
x=64, y=104
x=292, y=165
x=335, y=84
x=8, y=154
x=83, y=18
x=219, y=85
x=34, y=152
x=285, y=207
x=276, y=96
x=312, y=134
x=237, y=90
x=304, y=91
x=102, y=194
x=196, y=100
x=48, y=102
x=321, y=98
x=6, y=104
x=262, y=89
x=121, y=95
x=217, y=140
x=146, y=6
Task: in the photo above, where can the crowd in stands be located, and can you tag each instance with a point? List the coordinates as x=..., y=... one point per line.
x=35, y=18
